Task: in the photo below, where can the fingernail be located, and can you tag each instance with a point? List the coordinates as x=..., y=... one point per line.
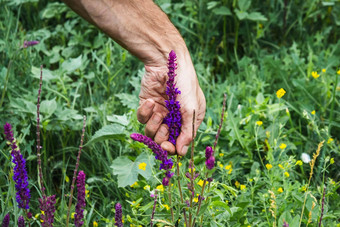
x=184, y=150
x=149, y=104
x=156, y=119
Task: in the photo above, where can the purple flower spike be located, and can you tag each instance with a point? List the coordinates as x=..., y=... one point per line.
x=47, y=206
x=161, y=154
x=5, y=222
x=20, y=174
x=210, y=159
x=173, y=118
x=30, y=43
x=118, y=215
x=81, y=200
x=21, y=221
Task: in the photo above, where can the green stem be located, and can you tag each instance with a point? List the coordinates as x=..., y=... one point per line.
x=180, y=190
x=6, y=82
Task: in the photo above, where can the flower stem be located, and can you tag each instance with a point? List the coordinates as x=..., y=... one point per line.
x=169, y=195
x=192, y=168
x=322, y=205
x=154, y=208
x=200, y=199
x=180, y=191
x=221, y=121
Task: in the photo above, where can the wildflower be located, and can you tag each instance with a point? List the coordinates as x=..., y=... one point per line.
x=285, y=224
x=179, y=164
x=304, y=188
x=161, y=155
x=221, y=154
x=237, y=184
x=72, y=215
x=166, y=207
x=174, y=117
x=280, y=190
x=299, y=162
x=313, y=112
x=20, y=174
x=280, y=93
x=305, y=158
x=338, y=72
x=331, y=161
x=323, y=70
x=30, y=43
x=160, y=188
x=142, y=166
x=330, y=140
x=81, y=199
x=281, y=166
x=242, y=187
x=269, y=166
x=118, y=215
x=283, y=146
x=259, y=123
x=87, y=193
x=286, y=174
x=220, y=165
x=47, y=210
x=5, y=221
x=95, y=224
x=200, y=183
x=210, y=159
x=229, y=172
x=315, y=74
x=147, y=187
x=228, y=167
x=67, y=179
x=134, y=185
x=21, y=221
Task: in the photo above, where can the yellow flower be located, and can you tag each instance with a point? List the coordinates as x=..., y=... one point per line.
x=134, y=185
x=330, y=140
x=338, y=72
x=242, y=187
x=237, y=184
x=221, y=154
x=160, y=188
x=283, y=146
x=331, y=161
x=228, y=167
x=323, y=70
x=281, y=92
x=72, y=215
x=200, y=183
x=87, y=193
x=190, y=170
x=95, y=224
x=313, y=112
x=286, y=174
x=166, y=207
x=231, y=170
x=37, y=215
x=304, y=188
x=299, y=162
x=179, y=164
x=142, y=166
x=147, y=187
x=196, y=199
x=269, y=166
x=281, y=166
x=315, y=74
x=280, y=190
x=67, y=179
x=221, y=165
x=259, y=123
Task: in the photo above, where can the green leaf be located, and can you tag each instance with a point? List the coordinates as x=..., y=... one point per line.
x=256, y=16
x=224, y=11
x=119, y=119
x=47, y=74
x=48, y=107
x=241, y=15
x=131, y=101
x=113, y=131
x=72, y=64
x=244, y=4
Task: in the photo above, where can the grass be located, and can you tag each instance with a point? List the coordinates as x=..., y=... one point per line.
x=247, y=56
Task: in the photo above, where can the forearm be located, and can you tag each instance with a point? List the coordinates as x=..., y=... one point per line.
x=138, y=25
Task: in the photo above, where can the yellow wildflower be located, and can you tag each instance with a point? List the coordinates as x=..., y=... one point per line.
x=160, y=188
x=251, y=180
x=286, y=174
x=281, y=166
x=323, y=70
x=237, y=184
x=242, y=187
x=87, y=193
x=313, y=112
x=231, y=170
x=299, y=162
x=179, y=164
x=304, y=188
x=330, y=140
x=72, y=215
x=228, y=167
x=142, y=166
x=37, y=215
x=221, y=154
x=283, y=146
x=196, y=199
x=315, y=74
x=95, y=224
x=338, y=72
x=269, y=166
x=221, y=165
x=280, y=93
x=134, y=185
x=259, y=123
x=190, y=170
x=166, y=207
x=280, y=190
x=200, y=183
x=331, y=161
x=147, y=187
x=67, y=179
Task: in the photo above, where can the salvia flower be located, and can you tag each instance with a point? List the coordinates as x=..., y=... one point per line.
x=21, y=221
x=118, y=215
x=81, y=199
x=48, y=209
x=210, y=159
x=285, y=224
x=174, y=117
x=161, y=155
x=20, y=178
x=30, y=43
x=5, y=221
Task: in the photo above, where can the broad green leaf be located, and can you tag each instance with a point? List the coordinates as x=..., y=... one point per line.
x=120, y=119
x=131, y=101
x=47, y=74
x=48, y=107
x=256, y=16
x=224, y=11
x=244, y=4
x=113, y=131
x=241, y=15
x=72, y=64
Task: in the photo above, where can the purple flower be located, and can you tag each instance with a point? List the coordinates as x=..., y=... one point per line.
x=30, y=43
x=161, y=154
x=285, y=224
x=5, y=221
x=81, y=199
x=210, y=159
x=47, y=206
x=118, y=215
x=174, y=117
x=20, y=174
x=21, y=221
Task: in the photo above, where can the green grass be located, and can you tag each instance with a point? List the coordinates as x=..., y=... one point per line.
x=248, y=51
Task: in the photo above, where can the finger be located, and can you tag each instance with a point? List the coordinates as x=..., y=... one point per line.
x=153, y=124
x=183, y=141
x=145, y=111
x=162, y=134
x=169, y=147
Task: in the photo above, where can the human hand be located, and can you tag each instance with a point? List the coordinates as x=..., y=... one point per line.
x=152, y=108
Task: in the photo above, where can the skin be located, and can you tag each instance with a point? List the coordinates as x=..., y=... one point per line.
x=144, y=30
